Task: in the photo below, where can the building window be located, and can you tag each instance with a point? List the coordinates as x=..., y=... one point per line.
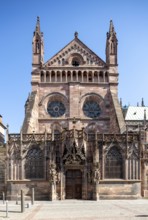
x=114, y=164
x=34, y=166
x=57, y=134
x=91, y=109
x=56, y=109
x=42, y=77
x=63, y=62
x=75, y=61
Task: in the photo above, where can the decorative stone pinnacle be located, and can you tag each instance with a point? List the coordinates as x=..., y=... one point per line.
x=38, y=19
x=76, y=34
x=142, y=103
x=111, y=28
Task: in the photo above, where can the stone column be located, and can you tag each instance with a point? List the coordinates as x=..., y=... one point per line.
x=96, y=178
x=82, y=76
x=126, y=169
x=52, y=195
x=103, y=163
x=84, y=184
x=21, y=157
x=77, y=76
x=11, y=169
x=96, y=171
x=52, y=175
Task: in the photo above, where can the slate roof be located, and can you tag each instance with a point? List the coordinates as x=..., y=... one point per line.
x=136, y=113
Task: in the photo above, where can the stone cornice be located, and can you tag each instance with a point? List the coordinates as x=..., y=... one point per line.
x=77, y=119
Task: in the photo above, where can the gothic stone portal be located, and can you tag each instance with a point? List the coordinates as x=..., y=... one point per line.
x=73, y=184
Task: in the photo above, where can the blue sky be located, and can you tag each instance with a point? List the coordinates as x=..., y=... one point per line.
x=59, y=20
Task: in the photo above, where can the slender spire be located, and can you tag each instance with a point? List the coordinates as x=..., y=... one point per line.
x=121, y=102
x=37, y=46
x=38, y=24
x=111, y=27
x=111, y=45
x=142, y=102
x=76, y=34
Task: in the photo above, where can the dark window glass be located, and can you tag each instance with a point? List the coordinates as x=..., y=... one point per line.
x=75, y=62
x=34, y=166
x=91, y=109
x=56, y=109
x=114, y=164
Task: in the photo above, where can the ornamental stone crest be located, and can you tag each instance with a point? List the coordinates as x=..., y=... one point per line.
x=52, y=174
x=74, y=154
x=96, y=173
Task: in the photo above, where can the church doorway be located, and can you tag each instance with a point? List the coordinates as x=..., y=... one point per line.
x=73, y=184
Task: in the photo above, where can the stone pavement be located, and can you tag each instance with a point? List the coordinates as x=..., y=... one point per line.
x=78, y=210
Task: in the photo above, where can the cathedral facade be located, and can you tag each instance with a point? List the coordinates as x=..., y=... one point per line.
x=74, y=142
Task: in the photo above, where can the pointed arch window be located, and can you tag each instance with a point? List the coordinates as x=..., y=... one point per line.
x=114, y=164
x=56, y=134
x=34, y=165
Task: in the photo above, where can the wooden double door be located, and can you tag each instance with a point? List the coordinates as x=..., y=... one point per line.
x=73, y=184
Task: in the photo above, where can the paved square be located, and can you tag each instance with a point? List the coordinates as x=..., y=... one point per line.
x=78, y=210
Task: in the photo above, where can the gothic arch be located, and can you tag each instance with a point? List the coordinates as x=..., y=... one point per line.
x=91, y=129
x=56, y=130
x=91, y=94
x=56, y=126
x=53, y=94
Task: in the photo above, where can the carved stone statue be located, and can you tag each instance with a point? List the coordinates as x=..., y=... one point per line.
x=89, y=176
x=52, y=173
x=96, y=173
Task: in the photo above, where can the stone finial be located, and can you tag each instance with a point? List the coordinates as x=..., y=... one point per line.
x=121, y=102
x=76, y=34
x=142, y=102
x=111, y=28
x=38, y=24
x=38, y=19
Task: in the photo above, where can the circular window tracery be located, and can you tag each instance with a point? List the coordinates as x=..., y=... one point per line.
x=91, y=109
x=56, y=109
